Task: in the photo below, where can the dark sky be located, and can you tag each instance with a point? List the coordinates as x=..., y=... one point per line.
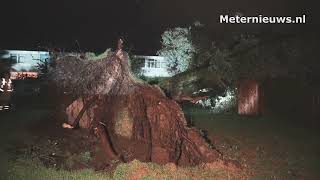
x=95, y=24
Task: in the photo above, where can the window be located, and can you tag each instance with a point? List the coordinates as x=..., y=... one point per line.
x=13, y=58
x=21, y=58
x=152, y=63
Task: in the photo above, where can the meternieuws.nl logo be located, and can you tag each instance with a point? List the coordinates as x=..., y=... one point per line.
x=260, y=19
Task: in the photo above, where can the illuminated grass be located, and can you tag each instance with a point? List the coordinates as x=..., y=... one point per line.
x=140, y=170
x=33, y=170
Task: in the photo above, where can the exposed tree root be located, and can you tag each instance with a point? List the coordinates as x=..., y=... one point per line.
x=135, y=120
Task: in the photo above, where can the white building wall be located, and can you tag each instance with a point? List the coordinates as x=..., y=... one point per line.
x=25, y=60
x=154, y=66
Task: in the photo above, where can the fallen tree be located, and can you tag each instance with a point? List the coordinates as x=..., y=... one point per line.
x=132, y=119
x=218, y=68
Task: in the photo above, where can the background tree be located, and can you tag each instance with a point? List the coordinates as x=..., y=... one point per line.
x=178, y=48
x=136, y=66
x=5, y=62
x=221, y=64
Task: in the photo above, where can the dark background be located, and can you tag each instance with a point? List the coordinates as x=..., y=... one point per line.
x=94, y=25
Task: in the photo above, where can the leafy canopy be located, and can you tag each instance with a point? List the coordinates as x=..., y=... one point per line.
x=178, y=48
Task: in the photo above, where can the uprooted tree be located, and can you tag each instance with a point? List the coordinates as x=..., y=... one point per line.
x=222, y=65
x=132, y=119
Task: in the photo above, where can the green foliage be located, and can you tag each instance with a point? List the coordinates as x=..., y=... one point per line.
x=154, y=80
x=279, y=58
x=93, y=56
x=5, y=63
x=219, y=61
x=246, y=56
x=178, y=48
x=136, y=65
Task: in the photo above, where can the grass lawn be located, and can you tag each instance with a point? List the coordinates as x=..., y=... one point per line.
x=272, y=146
x=267, y=148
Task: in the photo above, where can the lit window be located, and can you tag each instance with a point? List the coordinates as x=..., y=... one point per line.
x=21, y=58
x=152, y=63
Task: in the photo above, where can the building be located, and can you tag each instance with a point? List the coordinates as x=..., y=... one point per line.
x=153, y=66
x=23, y=63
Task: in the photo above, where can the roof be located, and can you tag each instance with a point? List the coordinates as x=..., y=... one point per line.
x=150, y=57
x=25, y=52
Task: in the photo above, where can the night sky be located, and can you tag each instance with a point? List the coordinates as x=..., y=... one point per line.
x=95, y=25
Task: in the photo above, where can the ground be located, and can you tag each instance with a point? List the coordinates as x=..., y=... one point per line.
x=34, y=146
x=274, y=146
